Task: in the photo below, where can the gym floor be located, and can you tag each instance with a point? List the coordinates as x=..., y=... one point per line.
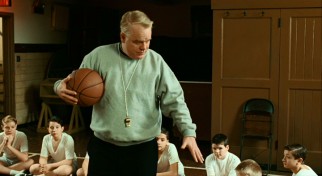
x=81, y=139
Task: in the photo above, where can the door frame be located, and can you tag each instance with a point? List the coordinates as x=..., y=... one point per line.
x=8, y=63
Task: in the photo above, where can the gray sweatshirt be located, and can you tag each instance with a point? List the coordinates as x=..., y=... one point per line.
x=152, y=90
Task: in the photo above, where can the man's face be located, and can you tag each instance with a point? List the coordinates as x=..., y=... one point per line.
x=220, y=150
x=137, y=42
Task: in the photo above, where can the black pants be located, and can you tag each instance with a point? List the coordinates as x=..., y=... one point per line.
x=107, y=159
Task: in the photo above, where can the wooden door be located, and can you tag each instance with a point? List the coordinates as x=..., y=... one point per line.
x=300, y=115
x=245, y=65
x=8, y=64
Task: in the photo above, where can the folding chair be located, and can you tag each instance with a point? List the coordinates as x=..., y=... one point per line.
x=257, y=122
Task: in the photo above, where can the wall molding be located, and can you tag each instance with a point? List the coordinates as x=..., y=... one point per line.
x=33, y=48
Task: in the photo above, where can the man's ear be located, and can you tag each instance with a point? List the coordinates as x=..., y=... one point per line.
x=122, y=36
x=227, y=146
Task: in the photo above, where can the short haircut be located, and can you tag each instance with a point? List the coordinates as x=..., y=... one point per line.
x=165, y=131
x=297, y=150
x=220, y=139
x=56, y=119
x=9, y=118
x=134, y=17
x=248, y=167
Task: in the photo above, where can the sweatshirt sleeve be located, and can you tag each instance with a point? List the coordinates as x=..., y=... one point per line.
x=172, y=102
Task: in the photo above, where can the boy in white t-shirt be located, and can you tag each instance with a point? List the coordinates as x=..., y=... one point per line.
x=168, y=162
x=221, y=161
x=294, y=156
x=57, y=155
x=14, y=146
x=84, y=169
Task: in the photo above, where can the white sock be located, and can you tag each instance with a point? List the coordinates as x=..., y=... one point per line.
x=14, y=172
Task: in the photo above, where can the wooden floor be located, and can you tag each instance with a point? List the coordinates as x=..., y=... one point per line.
x=81, y=140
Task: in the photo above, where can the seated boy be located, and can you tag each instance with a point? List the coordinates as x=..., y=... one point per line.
x=84, y=169
x=294, y=156
x=248, y=167
x=57, y=155
x=168, y=162
x=14, y=146
x=221, y=161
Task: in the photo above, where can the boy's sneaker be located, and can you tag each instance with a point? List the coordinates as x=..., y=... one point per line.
x=23, y=174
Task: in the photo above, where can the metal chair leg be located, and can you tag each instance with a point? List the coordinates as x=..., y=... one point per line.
x=241, y=148
x=270, y=155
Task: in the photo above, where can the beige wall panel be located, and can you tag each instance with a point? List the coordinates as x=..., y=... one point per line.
x=239, y=4
x=30, y=76
x=301, y=83
x=29, y=72
x=232, y=100
x=20, y=91
x=26, y=83
x=245, y=65
x=23, y=116
x=305, y=63
x=289, y=66
x=304, y=111
x=237, y=66
x=303, y=121
x=230, y=121
x=243, y=49
x=198, y=99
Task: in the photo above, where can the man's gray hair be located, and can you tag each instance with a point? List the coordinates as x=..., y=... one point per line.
x=134, y=17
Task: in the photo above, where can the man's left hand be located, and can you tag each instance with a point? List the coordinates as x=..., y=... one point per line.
x=191, y=143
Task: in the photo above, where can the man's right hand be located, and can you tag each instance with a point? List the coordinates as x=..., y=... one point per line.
x=65, y=94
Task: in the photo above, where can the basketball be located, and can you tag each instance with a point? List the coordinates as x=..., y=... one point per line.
x=88, y=84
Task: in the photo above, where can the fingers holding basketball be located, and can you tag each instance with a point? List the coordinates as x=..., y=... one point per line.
x=88, y=85
x=84, y=87
x=65, y=94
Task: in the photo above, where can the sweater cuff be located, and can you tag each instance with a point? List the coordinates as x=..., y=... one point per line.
x=56, y=85
x=191, y=133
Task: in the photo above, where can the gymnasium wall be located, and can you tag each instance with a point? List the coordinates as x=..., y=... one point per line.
x=185, y=47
